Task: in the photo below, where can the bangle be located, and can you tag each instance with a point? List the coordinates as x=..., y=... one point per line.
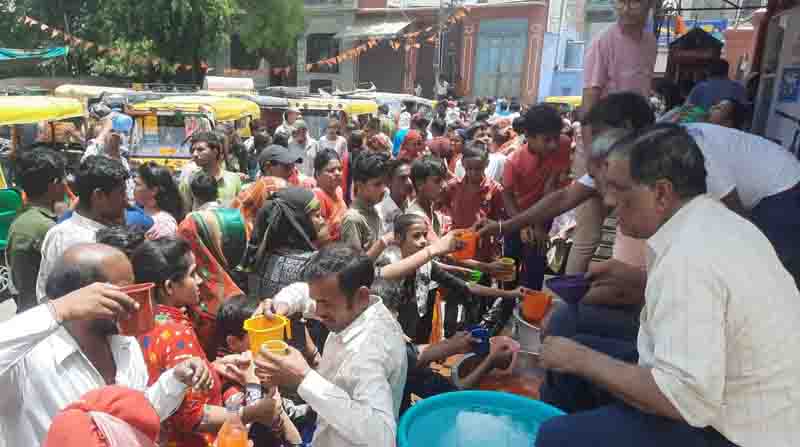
x=241, y=414
x=428, y=252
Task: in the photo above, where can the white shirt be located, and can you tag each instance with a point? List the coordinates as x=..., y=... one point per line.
x=75, y=230
x=717, y=327
x=358, y=387
x=405, y=120
x=441, y=88
x=388, y=211
x=309, y=152
x=755, y=166
x=494, y=170
x=339, y=145
x=42, y=370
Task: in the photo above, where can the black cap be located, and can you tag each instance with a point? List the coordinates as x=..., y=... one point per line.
x=278, y=154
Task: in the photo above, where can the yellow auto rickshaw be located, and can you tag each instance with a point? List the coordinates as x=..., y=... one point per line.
x=317, y=110
x=88, y=94
x=29, y=120
x=162, y=128
x=565, y=104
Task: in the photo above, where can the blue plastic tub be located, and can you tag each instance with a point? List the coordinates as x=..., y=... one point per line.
x=473, y=419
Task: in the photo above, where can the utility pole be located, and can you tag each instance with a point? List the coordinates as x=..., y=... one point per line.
x=440, y=18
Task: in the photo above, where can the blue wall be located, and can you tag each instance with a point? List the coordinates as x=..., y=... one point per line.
x=547, y=69
x=557, y=83
x=567, y=83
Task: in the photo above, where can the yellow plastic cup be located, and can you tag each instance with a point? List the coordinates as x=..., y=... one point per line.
x=262, y=329
x=276, y=347
x=510, y=273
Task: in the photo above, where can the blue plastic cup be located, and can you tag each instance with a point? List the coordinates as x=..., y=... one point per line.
x=482, y=334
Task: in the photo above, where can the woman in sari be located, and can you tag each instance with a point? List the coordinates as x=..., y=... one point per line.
x=170, y=264
x=284, y=238
x=328, y=172
x=413, y=146
x=205, y=233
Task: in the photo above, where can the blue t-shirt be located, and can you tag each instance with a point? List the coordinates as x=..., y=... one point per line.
x=134, y=217
x=708, y=93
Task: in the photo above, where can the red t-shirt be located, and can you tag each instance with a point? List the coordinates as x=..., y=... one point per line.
x=469, y=205
x=526, y=174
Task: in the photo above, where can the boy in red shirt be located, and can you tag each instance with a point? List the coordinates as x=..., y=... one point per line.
x=473, y=199
x=538, y=167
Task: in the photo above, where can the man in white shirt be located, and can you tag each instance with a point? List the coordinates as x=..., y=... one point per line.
x=751, y=175
x=100, y=187
x=357, y=388
x=52, y=354
x=711, y=369
x=303, y=143
x=441, y=88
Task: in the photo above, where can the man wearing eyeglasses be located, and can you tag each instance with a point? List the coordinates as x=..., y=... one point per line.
x=620, y=59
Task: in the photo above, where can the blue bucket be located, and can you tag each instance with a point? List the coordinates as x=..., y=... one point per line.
x=473, y=419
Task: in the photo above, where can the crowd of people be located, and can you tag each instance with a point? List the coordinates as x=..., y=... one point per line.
x=681, y=339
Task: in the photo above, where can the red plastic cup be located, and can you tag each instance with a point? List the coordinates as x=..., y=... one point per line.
x=144, y=319
x=535, y=305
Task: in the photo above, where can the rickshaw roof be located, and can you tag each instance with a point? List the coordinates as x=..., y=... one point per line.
x=33, y=109
x=574, y=101
x=86, y=91
x=266, y=101
x=224, y=108
x=351, y=106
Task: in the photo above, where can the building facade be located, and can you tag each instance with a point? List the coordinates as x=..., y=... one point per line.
x=495, y=50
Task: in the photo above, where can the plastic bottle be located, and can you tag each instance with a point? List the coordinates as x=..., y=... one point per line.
x=233, y=432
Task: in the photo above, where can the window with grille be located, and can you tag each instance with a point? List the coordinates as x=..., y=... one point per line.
x=320, y=47
x=573, y=55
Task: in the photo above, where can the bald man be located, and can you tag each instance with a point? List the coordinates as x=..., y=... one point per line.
x=54, y=353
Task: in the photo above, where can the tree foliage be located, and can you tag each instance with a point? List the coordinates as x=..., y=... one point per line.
x=174, y=31
x=270, y=27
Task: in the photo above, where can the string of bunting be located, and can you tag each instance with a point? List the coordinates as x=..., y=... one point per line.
x=76, y=42
x=406, y=41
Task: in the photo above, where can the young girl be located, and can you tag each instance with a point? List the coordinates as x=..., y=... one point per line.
x=414, y=308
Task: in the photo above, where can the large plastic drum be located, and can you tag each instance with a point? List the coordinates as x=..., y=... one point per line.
x=474, y=419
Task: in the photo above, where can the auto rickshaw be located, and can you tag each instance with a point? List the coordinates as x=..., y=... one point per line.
x=88, y=94
x=317, y=110
x=396, y=101
x=272, y=110
x=162, y=128
x=565, y=104
x=52, y=121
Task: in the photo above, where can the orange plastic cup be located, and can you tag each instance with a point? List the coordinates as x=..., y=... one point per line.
x=144, y=319
x=510, y=274
x=470, y=240
x=262, y=329
x=535, y=305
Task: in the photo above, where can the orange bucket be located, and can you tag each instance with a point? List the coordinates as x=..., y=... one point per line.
x=262, y=329
x=535, y=305
x=470, y=240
